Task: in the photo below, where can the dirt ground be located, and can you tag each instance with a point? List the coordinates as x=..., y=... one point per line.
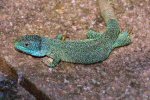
x=125, y=75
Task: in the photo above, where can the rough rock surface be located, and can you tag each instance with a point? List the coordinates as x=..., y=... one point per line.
x=125, y=75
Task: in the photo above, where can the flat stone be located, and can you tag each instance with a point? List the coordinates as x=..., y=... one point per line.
x=122, y=76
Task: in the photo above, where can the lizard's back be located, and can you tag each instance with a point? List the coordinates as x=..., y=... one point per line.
x=86, y=51
x=90, y=50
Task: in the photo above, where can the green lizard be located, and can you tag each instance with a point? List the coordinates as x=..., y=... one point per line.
x=96, y=48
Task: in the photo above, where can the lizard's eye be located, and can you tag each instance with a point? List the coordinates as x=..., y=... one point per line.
x=26, y=44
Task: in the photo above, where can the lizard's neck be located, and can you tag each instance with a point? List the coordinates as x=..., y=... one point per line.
x=49, y=45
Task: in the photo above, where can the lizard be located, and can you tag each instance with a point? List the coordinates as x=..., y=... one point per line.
x=96, y=48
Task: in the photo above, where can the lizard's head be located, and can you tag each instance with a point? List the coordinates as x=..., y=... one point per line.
x=31, y=44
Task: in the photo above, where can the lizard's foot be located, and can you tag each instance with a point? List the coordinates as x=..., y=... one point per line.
x=122, y=40
x=61, y=37
x=47, y=60
x=52, y=63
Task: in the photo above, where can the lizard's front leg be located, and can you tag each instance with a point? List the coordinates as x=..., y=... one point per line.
x=92, y=34
x=61, y=37
x=51, y=62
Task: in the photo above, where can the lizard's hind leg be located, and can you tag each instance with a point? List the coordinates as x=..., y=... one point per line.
x=92, y=34
x=122, y=40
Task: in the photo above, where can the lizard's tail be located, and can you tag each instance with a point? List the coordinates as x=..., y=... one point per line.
x=113, y=29
x=106, y=10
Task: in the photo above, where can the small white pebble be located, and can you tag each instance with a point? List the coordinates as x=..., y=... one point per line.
x=86, y=88
x=66, y=81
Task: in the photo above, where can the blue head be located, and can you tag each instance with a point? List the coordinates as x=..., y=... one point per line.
x=32, y=44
